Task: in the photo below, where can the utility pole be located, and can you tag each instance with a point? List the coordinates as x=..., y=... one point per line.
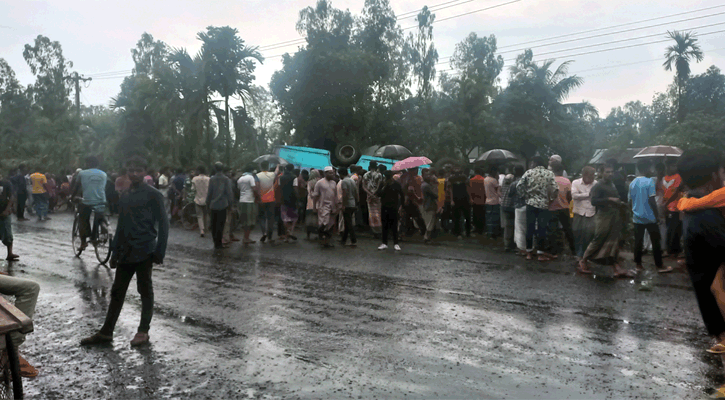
x=76, y=79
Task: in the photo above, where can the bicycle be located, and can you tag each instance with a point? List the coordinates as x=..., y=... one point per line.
x=101, y=237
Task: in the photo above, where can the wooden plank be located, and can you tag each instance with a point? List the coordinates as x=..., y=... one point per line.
x=13, y=319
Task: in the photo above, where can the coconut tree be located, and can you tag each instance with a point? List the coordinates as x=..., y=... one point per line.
x=229, y=71
x=678, y=56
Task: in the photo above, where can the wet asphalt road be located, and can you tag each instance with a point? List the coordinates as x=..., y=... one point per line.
x=294, y=321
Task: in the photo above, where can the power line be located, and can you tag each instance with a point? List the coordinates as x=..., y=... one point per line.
x=302, y=40
x=603, y=50
x=618, y=32
x=402, y=16
x=611, y=33
x=613, y=26
x=468, y=13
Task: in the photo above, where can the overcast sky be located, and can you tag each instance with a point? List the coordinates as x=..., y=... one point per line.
x=98, y=36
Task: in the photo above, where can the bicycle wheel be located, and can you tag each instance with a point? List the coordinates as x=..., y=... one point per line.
x=76, y=237
x=6, y=378
x=102, y=244
x=11, y=384
x=188, y=217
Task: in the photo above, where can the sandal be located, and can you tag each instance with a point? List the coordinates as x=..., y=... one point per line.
x=13, y=257
x=717, y=349
x=665, y=270
x=26, y=370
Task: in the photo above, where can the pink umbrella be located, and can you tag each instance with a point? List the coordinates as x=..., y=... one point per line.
x=411, y=162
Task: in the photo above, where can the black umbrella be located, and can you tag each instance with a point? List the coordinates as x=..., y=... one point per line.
x=496, y=156
x=393, y=151
x=274, y=160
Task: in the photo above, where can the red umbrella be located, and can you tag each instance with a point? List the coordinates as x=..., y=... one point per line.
x=411, y=162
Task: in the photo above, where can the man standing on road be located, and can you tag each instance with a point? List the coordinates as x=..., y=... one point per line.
x=460, y=194
x=350, y=200
x=508, y=207
x=538, y=186
x=139, y=242
x=704, y=235
x=200, y=183
x=371, y=183
x=91, y=184
x=642, y=197
x=477, y=191
x=392, y=198
x=219, y=198
x=267, y=199
x=7, y=200
x=583, y=226
x=608, y=219
x=40, y=195
x=21, y=191
x=288, y=210
x=326, y=201
x=247, y=206
x=672, y=184
x=493, y=203
x=560, y=207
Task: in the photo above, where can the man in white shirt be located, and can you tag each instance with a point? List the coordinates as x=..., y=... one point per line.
x=248, y=194
x=200, y=184
x=164, y=187
x=584, y=211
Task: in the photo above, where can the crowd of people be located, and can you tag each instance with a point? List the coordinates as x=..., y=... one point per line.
x=538, y=213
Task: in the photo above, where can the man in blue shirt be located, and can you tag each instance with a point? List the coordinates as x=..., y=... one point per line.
x=642, y=194
x=91, y=184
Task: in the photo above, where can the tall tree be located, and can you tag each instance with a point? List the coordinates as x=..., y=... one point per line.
x=532, y=108
x=51, y=90
x=679, y=56
x=230, y=69
x=422, y=52
x=149, y=55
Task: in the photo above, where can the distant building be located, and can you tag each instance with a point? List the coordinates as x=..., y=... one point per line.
x=623, y=157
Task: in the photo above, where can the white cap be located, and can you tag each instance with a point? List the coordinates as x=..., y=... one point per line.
x=556, y=157
x=328, y=168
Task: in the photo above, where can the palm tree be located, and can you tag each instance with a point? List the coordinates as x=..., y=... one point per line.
x=679, y=55
x=552, y=87
x=231, y=64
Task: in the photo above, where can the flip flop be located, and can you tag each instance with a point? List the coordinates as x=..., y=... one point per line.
x=717, y=349
x=13, y=257
x=665, y=270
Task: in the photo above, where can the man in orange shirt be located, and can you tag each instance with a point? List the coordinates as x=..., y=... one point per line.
x=673, y=191
x=40, y=195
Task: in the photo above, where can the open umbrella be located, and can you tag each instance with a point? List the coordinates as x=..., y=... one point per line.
x=394, y=151
x=273, y=160
x=659, y=151
x=411, y=162
x=496, y=156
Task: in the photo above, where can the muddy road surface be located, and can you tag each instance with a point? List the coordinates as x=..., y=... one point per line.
x=293, y=321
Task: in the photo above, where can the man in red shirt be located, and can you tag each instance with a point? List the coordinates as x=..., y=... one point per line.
x=478, y=200
x=672, y=184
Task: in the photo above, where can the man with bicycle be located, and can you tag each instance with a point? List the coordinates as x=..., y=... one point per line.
x=91, y=184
